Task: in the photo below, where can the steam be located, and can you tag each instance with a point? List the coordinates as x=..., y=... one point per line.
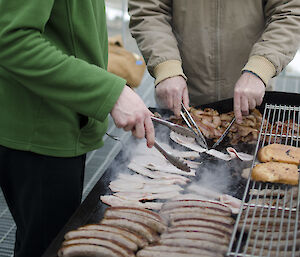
x=215, y=179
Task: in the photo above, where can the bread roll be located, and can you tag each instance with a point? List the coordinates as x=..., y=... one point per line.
x=276, y=172
x=279, y=153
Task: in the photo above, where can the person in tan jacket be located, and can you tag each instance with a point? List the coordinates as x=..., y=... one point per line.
x=207, y=50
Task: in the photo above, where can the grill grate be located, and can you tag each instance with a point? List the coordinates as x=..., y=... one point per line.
x=267, y=224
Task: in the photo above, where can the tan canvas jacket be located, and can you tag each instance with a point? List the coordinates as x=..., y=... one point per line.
x=210, y=42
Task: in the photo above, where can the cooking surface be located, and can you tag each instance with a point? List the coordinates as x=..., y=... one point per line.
x=92, y=209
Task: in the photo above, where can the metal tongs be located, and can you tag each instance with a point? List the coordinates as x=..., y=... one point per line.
x=224, y=134
x=200, y=139
x=180, y=164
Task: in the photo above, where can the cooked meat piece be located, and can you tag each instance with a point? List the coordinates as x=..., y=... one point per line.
x=117, y=201
x=198, y=215
x=188, y=142
x=269, y=201
x=265, y=212
x=262, y=227
x=242, y=156
x=101, y=242
x=280, y=244
x=203, y=222
x=169, y=249
x=202, y=244
x=157, y=174
x=196, y=212
x=120, y=186
x=267, y=192
x=207, y=131
x=193, y=164
x=181, y=154
x=260, y=235
x=142, y=212
x=140, y=179
x=202, y=229
x=257, y=251
x=121, y=239
x=216, y=121
x=189, y=196
x=136, y=238
x=212, y=237
x=152, y=223
x=244, y=131
x=233, y=203
x=170, y=168
x=207, y=111
x=159, y=163
x=148, y=253
x=205, y=204
x=227, y=116
x=270, y=221
x=88, y=250
x=193, y=210
x=146, y=196
x=134, y=226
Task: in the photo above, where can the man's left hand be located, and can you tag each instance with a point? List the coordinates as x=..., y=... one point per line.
x=249, y=92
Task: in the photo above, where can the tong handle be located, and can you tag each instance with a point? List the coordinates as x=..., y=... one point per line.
x=172, y=159
x=200, y=138
x=174, y=127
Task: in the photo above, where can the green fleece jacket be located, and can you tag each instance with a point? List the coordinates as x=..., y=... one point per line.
x=55, y=92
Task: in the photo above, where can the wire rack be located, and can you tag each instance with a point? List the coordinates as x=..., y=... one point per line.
x=267, y=223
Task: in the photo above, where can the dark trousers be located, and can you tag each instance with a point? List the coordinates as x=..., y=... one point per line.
x=42, y=193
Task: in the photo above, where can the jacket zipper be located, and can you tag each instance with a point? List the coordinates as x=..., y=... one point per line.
x=218, y=51
x=71, y=28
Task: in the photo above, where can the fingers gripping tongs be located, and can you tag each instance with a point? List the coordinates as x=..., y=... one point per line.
x=180, y=164
x=200, y=139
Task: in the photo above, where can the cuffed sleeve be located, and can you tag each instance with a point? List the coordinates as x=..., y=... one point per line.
x=168, y=69
x=262, y=67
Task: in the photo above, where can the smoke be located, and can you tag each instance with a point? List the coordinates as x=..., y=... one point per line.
x=214, y=176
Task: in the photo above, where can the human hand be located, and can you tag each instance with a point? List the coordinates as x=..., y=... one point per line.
x=249, y=92
x=130, y=113
x=171, y=92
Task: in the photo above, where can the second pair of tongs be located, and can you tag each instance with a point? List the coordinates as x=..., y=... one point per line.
x=224, y=134
x=200, y=139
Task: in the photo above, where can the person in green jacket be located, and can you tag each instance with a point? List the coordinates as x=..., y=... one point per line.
x=55, y=96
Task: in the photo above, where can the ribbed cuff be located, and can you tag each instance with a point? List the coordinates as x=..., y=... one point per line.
x=262, y=67
x=168, y=69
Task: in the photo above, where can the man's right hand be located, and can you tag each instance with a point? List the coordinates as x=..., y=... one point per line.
x=171, y=92
x=130, y=113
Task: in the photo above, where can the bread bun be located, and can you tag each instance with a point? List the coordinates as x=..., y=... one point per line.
x=279, y=153
x=276, y=172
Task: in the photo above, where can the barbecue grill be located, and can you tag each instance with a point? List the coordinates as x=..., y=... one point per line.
x=267, y=224
x=92, y=210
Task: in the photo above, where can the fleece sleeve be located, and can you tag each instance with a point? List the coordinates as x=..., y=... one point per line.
x=42, y=68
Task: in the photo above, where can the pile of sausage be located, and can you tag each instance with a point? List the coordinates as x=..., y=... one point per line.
x=183, y=228
x=121, y=232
